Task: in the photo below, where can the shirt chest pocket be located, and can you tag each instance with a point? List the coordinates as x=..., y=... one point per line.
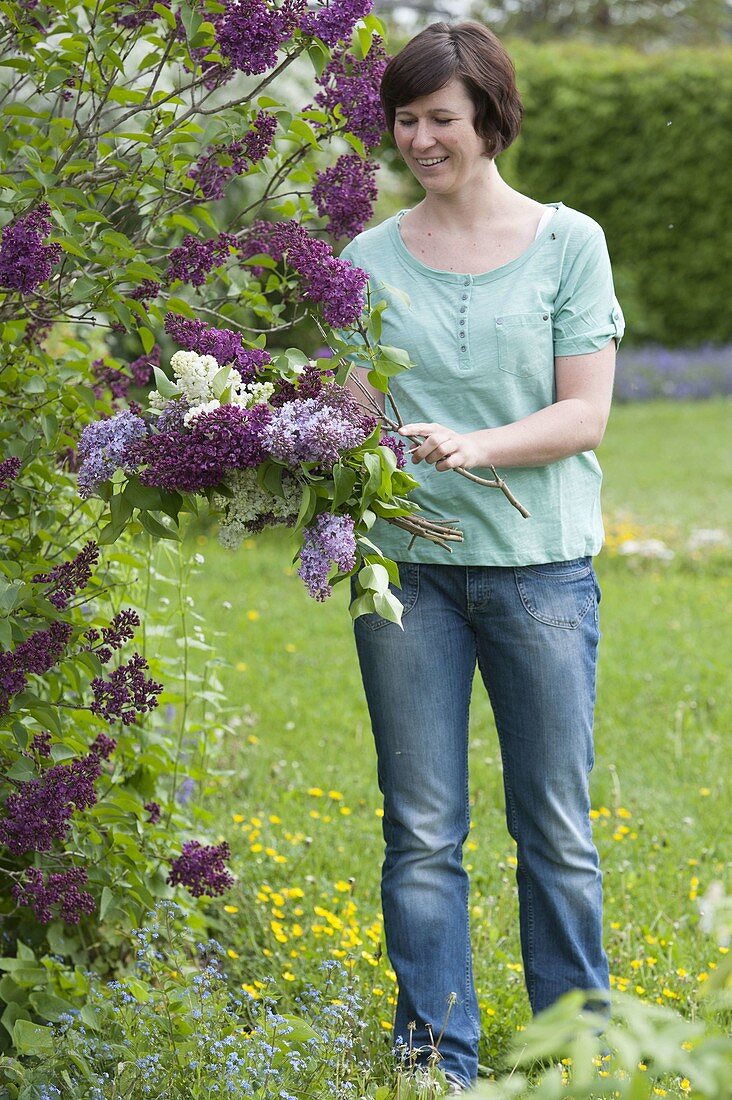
x=525, y=343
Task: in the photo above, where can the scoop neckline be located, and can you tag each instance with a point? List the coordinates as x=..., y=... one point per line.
x=461, y=276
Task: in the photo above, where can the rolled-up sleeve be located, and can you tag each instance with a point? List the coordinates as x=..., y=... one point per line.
x=586, y=312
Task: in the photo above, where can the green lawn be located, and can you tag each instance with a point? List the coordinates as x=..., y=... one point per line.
x=298, y=723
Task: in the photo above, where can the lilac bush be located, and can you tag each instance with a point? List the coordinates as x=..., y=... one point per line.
x=677, y=374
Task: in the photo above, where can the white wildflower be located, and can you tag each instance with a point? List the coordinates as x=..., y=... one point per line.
x=646, y=548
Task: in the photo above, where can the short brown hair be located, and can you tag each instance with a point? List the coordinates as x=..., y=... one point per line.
x=467, y=51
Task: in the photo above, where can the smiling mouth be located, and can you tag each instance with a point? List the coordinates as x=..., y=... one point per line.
x=429, y=163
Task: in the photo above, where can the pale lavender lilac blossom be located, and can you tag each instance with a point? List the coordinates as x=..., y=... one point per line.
x=329, y=540
x=312, y=429
x=25, y=261
x=108, y=445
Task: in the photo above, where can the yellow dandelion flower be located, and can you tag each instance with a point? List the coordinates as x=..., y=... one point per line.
x=232, y=954
x=266, y=952
x=386, y=1024
x=256, y=822
x=253, y=616
x=249, y=544
x=703, y=977
x=288, y=975
x=338, y=953
x=724, y=950
x=275, y=820
x=238, y=818
x=635, y=964
x=640, y=990
x=377, y=991
x=345, y=811
x=294, y=892
x=651, y=960
x=686, y=1045
x=343, y=886
x=253, y=739
x=251, y=991
x=685, y=1084
x=335, y=795
x=316, y=792
x=659, y=1092
x=622, y=812
x=315, y=814
x=704, y=792
x=231, y=908
x=594, y=814
x=255, y=848
x=290, y=648
x=379, y=812
x=280, y=859
x=297, y=930
x=277, y=899
x=615, y=925
x=242, y=666
x=681, y=972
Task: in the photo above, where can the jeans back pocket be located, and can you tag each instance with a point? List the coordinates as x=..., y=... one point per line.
x=558, y=593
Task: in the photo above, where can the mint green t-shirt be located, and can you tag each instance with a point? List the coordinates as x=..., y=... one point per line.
x=483, y=349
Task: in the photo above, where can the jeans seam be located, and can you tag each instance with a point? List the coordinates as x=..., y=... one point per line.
x=511, y=805
x=469, y=984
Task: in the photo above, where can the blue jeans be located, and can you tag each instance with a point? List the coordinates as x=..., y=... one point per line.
x=533, y=632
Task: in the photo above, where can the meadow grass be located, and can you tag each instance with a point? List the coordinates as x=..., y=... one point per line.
x=296, y=792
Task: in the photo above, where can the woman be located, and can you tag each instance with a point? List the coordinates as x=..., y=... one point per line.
x=506, y=308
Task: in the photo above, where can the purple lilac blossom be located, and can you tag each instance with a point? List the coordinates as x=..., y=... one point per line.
x=223, y=344
x=335, y=21
x=60, y=888
x=12, y=681
x=336, y=285
x=200, y=868
x=309, y=384
x=354, y=85
x=250, y=34
x=43, y=649
x=146, y=290
x=173, y=416
x=103, y=746
x=228, y=438
x=311, y=430
x=395, y=445
x=39, y=812
x=41, y=744
x=194, y=258
x=9, y=470
x=126, y=694
x=211, y=175
x=69, y=577
x=345, y=193
x=153, y=808
x=108, y=445
x=25, y=262
x=119, y=383
x=329, y=540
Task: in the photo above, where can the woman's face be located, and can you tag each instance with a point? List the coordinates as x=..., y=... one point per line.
x=436, y=138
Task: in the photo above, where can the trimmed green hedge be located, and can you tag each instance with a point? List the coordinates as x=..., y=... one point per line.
x=643, y=144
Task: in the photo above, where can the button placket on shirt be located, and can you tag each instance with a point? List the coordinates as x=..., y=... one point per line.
x=462, y=316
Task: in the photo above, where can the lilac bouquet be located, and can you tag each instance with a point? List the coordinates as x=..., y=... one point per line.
x=266, y=441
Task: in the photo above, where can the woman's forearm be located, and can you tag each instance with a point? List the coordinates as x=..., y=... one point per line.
x=565, y=428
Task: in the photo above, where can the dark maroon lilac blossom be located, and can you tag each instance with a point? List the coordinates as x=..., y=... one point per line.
x=329, y=540
x=146, y=290
x=345, y=193
x=40, y=811
x=9, y=470
x=195, y=258
x=126, y=694
x=153, y=808
x=200, y=868
x=69, y=577
x=353, y=84
x=108, y=445
x=229, y=438
x=309, y=384
x=43, y=649
x=225, y=346
x=103, y=746
x=12, y=681
x=61, y=888
x=41, y=744
x=25, y=261
x=395, y=445
x=334, y=22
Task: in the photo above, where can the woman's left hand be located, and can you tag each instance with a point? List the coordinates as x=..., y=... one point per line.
x=444, y=448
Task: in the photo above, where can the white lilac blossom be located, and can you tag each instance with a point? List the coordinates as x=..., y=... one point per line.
x=194, y=374
x=251, y=507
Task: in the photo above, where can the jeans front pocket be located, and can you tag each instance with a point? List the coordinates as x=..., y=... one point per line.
x=525, y=342
x=407, y=595
x=558, y=593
